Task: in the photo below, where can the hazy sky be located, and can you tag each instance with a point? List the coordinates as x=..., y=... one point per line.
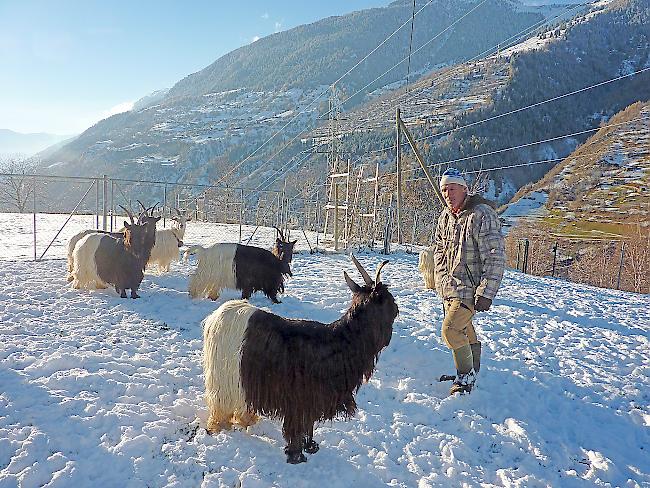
x=65, y=64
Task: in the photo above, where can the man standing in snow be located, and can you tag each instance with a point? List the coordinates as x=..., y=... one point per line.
x=469, y=257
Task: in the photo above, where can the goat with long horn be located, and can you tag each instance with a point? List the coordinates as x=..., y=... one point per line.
x=300, y=371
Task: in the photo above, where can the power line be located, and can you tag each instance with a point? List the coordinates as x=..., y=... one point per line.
x=521, y=109
x=359, y=91
x=397, y=64
x=382, y=43
x=575, y=92
x=408, y=69
x=516, y=165
x=271, y=179
x=510, y=148
x=237, y=166
x=513, y=39
x=404, y=59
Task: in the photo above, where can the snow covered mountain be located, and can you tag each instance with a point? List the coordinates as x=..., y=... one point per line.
x=101, y=391
x=213, y=118
x=605, y=180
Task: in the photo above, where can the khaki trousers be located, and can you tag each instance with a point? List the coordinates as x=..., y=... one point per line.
x=457, y=327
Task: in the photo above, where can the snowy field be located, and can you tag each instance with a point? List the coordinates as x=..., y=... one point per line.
x=98, y=391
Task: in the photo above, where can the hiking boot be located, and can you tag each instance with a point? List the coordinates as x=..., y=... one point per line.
x=463, y=383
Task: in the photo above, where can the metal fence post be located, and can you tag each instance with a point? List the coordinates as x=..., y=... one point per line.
x=112, y=203
x=34, y=212
x=554, y=259
x=96, y=203
x=241, y=210
x=620, y=266
x=104, y=200
x=164, y=206
x=526, y=245
x=317, y=217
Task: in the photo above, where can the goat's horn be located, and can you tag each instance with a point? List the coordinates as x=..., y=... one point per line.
x=279, y=232
x=154, y=208
x=364, y=273
x=143, y=213
x=379, y=270
x=129, y=214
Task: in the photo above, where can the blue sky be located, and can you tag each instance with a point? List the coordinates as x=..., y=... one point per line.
x=65, y=64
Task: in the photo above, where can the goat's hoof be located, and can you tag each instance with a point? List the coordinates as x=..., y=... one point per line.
x=296, y=458
x=135, y=295
x=311, y=447
x=123, y=294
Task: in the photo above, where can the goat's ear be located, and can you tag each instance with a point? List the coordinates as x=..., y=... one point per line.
x=293, y=243
x=278, y=240
x=351, y=284
x=127, y=225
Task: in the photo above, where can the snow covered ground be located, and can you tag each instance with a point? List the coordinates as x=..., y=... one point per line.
x=98, y=391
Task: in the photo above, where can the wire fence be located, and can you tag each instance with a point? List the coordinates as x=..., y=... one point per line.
x=622, y=263
x=361, y=222
x=103, y=199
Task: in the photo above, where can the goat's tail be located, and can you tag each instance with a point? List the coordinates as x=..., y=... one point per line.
x=191, y=251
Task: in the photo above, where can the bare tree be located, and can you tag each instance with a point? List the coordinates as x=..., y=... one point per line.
x=636, y=268
x=16, y=185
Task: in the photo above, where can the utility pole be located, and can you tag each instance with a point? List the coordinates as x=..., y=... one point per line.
x=398, y=154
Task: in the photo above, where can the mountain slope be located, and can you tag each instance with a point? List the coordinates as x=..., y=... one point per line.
x=475, y=114
x=215, y=117
x=604, y=184
x=317, y=54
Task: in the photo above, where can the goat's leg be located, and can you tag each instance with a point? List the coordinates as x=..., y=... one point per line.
x=309, y=445
x=134, y=292
x=246, y=293
x=293, y=435
x=218, y=421
x=245, y=419
x=213, y=293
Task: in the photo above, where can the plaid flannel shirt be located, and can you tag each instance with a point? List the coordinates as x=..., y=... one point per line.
x=469, y=252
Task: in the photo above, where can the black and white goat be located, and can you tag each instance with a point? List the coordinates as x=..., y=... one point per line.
x=301, y=371
x=240, y=267
x=146, y=217
x=100, y=259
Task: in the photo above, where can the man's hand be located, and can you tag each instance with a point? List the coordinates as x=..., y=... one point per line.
x=482, y=304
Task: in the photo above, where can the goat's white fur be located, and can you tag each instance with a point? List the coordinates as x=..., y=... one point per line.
x=71, y=245
x=215, y=270
x=223, y=336
x=165, y=250
x=84, y=271
x=426, y=265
